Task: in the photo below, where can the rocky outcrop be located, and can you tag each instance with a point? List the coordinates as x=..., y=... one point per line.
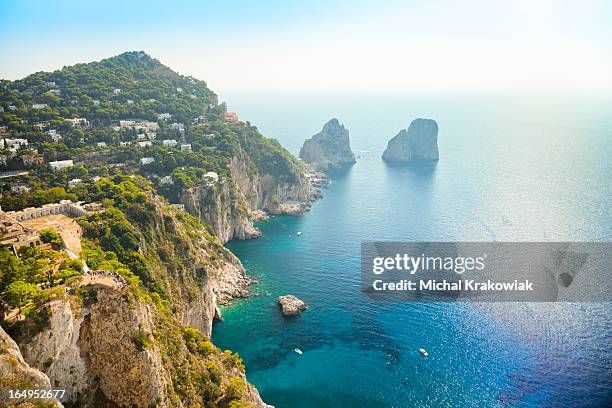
x=118, y=350
x=15, y=373
x=228, y=206
x=290, y=305
x=417, y=143
x=329, y=149
x=87, y=352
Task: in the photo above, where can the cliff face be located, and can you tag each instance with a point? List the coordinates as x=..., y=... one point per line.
x=15, y=373
x=86, y=351
x=118, y=350
x=228, y=207
x=417, y=143
x=134, y=347
x=329, y=149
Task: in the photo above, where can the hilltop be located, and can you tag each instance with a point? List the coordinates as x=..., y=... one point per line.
x=164, y=175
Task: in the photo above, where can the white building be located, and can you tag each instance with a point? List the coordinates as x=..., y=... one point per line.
x=179, y=89
x=101, y=144
x=39, y=105
x=78, y=122
x=13, y=144
x=130, y=102
x=125, y=143
x=74, y=182
x=151, y=135
x=138, y=125
x=116, y=91
x=169, y=142
x=166, y=181
x=147, y=160
x=54, y=135
x=12, y=107
x=19, y=188
x=163, y=116
x=96, y=102
x=186, y=148
x=146, y=143
x=211, y=175
x=177, y=126
x=179, y=206
x=61, y=164
x=55, y=92
x=50, y=84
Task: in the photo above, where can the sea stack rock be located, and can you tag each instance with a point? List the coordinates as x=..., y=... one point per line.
x=290, y=305
x=329, y=149
x=417, y=143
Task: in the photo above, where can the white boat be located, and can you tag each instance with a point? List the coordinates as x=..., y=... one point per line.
x=423, y=352
x=297, y=350
x=299, y=233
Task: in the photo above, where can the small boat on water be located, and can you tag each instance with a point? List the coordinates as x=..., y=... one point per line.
x=299, y=233
x=423, y=352
x=297, y=350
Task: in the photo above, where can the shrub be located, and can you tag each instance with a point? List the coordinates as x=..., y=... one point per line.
x=235, y=388
x=141, y=340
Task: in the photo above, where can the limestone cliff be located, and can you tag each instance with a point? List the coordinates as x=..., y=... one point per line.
x=15, y=373
x=417, y=143
x=329, y=149
x=117, y=349
x=228, y=205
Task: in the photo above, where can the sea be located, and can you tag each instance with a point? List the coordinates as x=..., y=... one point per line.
x=511, y=168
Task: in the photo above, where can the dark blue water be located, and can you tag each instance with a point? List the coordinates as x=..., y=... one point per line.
x=510, y=170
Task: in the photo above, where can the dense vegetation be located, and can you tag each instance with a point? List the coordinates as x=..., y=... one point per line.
x=137, y=235
x=129, y=86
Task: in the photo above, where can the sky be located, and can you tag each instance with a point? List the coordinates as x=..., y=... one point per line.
x=410, y=46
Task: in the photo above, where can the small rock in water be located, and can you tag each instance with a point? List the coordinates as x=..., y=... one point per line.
x=290, y=305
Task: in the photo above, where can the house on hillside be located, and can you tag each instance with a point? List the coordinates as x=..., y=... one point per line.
x=78, y=122
x=186, y=148
x=230, y=117
x=74, y=182
x=200, y=120
x=169, y=143
x=54, y=135
x=163, y=116
x=166, y=181
x=212, y=176
x=61, y=164
x=13, y=144
x=39, y=105
x=147, y=160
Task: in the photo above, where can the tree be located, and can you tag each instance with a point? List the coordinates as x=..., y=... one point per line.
x=11, y=269
x=49, y=236
x=19, y=293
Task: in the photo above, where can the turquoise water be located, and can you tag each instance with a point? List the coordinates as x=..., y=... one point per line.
x=510, y=170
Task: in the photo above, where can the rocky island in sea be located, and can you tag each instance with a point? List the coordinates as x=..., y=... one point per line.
x=417, y=143
x=330, y=149
x=291, y=305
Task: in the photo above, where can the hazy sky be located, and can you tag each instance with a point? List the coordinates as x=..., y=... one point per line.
x=378, y=46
